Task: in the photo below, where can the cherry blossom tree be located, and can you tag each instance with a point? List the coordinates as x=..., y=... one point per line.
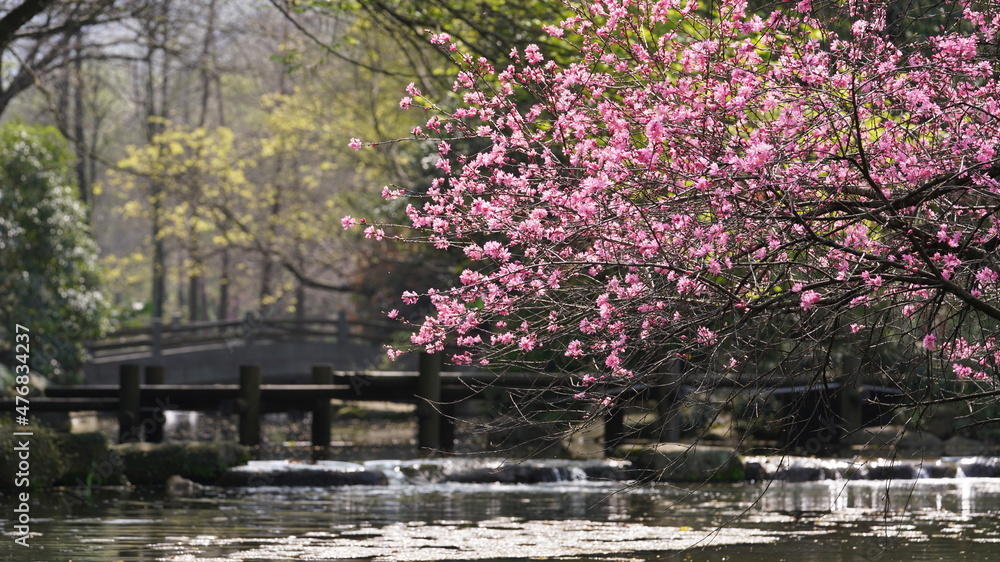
x=721, y=194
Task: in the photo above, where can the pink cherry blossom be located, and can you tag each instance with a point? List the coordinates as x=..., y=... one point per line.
x=695, y=191
x=809, y=299
x=930, y=342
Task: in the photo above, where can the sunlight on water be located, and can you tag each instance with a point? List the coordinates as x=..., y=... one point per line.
x=486, y=540
x=837, y=520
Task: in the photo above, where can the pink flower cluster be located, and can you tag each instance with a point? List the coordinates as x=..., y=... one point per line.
x=693, y=176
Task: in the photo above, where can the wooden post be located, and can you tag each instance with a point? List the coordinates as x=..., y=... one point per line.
x=156, y=337
x=668, y=414
x=343, y=329
x=614, y=427
x=322, y=414
x=448, y=427
x=249, y=405
x=850, y=399
x=668, y=402
x=428, y=396
x=154, y=374
x=128, y=403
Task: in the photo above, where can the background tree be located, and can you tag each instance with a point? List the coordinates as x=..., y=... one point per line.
x=490, y=30
x=356, y=38
x=49, y=279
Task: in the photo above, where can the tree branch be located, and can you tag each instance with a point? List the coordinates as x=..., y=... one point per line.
x=18, y=18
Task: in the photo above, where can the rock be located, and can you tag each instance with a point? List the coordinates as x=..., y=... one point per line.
x=421, y=472
x=883, y=439
x=801, y=473
x=921, y=444
x=585, y=443
x=959, y=446
x=874, y=437
x=894, y=470
x=980, y=467
x=200, y=461
x=610, y=473
x=45, y=459
x=942, y=469
x=681, y=462
x=88, y=461
x=941, y=419
x=720, y=435
x=757, y=471
x=180, y=487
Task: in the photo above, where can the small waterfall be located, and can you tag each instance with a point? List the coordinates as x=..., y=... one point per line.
x=176, y=421
x=980, y=467
x=807, y=469
x=567, y=474
x=425, y=471
x=498, y=471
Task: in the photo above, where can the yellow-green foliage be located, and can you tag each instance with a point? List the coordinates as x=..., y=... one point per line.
x=278, y=192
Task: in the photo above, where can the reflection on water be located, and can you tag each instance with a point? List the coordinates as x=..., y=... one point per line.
x=947, y=519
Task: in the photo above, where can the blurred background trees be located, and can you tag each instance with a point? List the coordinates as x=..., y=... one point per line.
x=49, y=278
x=199, y=147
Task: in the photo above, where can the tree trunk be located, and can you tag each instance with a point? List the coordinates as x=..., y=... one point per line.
x=206, y=63
x=195, y=296
x=80, y=143
x=155, y=112
x=224, y=287
x=300, y=303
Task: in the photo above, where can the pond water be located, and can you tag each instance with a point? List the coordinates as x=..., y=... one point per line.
x=833, y=520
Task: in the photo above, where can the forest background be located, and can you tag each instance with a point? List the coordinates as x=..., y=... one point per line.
x=188, y=159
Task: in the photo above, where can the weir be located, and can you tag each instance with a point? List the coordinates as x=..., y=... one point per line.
x=759, y=469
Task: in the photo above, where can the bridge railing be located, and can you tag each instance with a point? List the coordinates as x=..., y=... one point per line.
x=156, y=337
